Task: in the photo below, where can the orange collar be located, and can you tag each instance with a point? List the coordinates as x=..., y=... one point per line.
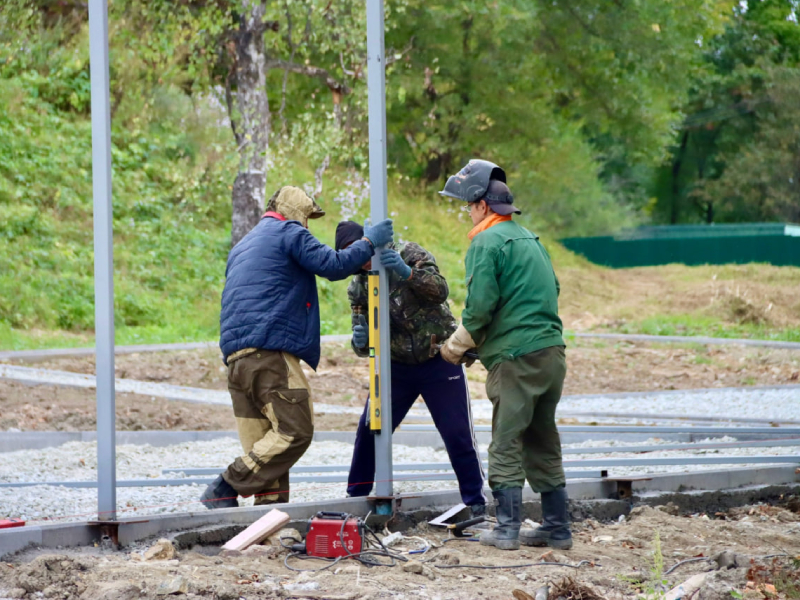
x=490, y=221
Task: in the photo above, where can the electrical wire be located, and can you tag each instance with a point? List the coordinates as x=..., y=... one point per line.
x=522, y=566
x=683, y=562
x=706, y=558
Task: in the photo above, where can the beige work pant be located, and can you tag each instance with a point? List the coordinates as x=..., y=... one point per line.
x=275, y=418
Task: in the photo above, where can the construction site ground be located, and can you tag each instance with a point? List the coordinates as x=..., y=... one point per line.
x=626, y=559
x=595, y=367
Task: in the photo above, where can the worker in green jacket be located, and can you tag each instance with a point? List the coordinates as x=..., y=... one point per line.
x=511, y=318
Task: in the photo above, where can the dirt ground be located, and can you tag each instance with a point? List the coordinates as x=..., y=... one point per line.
x=624, y=559
x=594, y=367
x=594, y=298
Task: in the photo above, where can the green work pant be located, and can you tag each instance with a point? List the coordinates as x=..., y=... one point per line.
x=525, y=441
x=275, y=419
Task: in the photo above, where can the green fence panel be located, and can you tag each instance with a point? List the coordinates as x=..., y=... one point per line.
x=772, y=243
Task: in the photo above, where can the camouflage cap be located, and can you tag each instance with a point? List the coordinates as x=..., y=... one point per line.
x=294, y=204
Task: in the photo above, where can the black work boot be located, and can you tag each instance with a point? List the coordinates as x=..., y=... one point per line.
x=219, y=494
x=554, y=531
x=505, y=535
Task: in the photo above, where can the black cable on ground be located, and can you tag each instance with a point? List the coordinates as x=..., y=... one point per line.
x=706, y=558
x=522, y=566
x=683, y=562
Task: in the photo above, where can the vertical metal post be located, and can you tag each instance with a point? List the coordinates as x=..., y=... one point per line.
x=376, y=83
x=103, y=263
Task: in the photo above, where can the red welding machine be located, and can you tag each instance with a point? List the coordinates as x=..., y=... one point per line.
x=329, y=533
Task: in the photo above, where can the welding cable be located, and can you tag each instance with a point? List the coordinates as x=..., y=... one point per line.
x=522, y=566
x=683, y=562
x=706, y=558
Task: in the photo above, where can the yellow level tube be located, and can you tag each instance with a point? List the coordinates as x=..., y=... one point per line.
x=374, y=352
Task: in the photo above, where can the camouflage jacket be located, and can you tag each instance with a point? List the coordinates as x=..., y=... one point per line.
x=417, y=307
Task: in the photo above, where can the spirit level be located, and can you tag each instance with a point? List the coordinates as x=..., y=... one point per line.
x=374, y=352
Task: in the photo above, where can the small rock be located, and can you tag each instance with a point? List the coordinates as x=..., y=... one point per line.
x=531, y=524
x=112, y=591
x=548, y=557
x=725, y=560
x=447, y=558
x=413, y=566
x=468, y=579
x=275, y=539
x=16, y=593
x=163, y=549
x=261, y=551
x=602, y=539
x=224, y=591
x=670, y=508
x=229, y=553
x=176, y=585
x=392, y=539
x=522, y=576
x=307, y=586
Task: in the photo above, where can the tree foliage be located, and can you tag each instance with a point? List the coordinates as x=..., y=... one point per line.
x=733, y=158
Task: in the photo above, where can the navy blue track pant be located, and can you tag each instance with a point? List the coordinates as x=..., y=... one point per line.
x=444, y=388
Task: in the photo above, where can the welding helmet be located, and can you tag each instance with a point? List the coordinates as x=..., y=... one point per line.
x=471, y=182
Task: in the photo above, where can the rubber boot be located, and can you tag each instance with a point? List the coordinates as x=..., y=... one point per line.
x=554, y=531
x=219, y=494
x=505, y=535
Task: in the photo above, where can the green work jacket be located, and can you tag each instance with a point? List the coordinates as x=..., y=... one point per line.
x=512, y=294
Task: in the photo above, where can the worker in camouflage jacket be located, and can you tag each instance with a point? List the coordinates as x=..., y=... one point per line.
x=418, y=310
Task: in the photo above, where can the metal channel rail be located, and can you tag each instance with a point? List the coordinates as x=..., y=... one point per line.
x=338, y=478
x=732, y=431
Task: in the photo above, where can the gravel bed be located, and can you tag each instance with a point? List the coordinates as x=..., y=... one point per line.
x=77, y=461
x=780, y=404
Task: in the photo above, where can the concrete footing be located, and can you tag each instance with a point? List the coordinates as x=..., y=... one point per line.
x=707, y=491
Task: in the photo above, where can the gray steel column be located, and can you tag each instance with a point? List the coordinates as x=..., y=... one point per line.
x=376, y=82
x=103, y=262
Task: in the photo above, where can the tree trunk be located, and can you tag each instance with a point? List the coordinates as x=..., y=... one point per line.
x=252, y=120
x=676, y=186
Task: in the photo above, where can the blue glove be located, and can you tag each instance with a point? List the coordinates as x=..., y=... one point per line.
x=392, y=260
x=379, y=234
x=360, y=335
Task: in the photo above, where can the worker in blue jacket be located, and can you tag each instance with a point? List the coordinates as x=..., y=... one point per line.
x=268, y=324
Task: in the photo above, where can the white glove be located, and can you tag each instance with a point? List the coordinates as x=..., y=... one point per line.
x=456, y=345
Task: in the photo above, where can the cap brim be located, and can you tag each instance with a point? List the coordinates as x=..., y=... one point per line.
x=317, y=214
x=505, y=209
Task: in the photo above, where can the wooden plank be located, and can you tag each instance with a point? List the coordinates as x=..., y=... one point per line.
x=261, y=529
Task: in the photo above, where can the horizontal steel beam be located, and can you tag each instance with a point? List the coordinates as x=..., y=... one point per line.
x=320, y=469
x=689, y=447
x=642, y=429
x=637, y=415
x=590, y=474
x=681, y=460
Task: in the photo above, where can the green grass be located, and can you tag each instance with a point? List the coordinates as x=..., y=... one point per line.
x=173, y=170
x=693, y=325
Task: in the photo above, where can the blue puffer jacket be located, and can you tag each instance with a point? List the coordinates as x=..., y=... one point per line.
x=270, y=296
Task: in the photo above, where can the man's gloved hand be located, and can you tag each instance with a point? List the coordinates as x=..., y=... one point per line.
x=392, y=260
x=379, y=234
x=456, y=345
x=360, y=334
